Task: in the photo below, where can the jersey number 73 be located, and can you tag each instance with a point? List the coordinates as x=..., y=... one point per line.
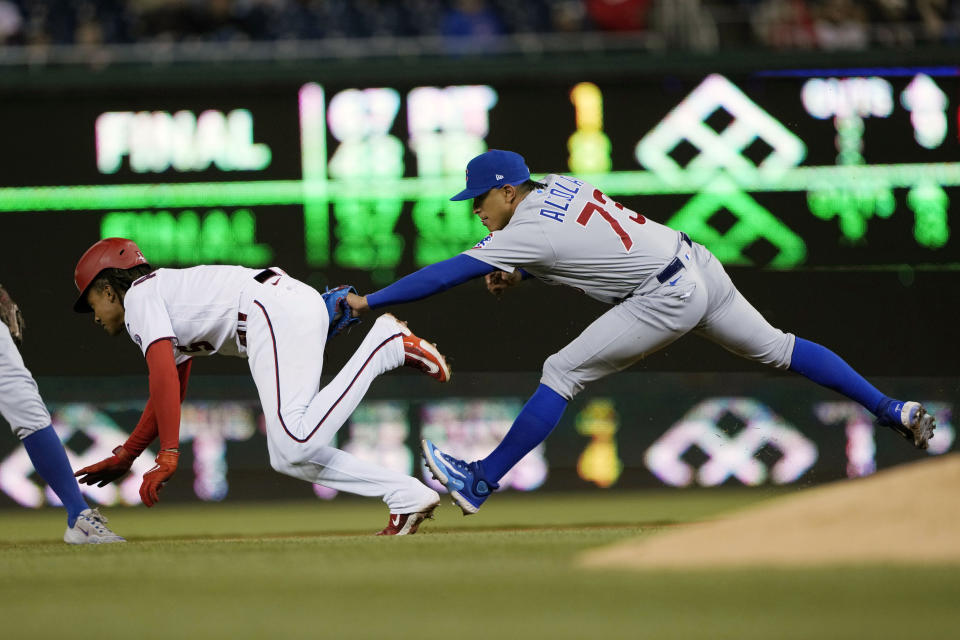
x=592, y=207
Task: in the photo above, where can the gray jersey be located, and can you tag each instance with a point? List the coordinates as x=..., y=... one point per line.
x=570, y=233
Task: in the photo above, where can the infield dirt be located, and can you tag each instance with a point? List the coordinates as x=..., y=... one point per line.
x=906, y=515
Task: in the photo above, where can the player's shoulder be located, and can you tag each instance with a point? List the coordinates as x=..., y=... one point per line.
x=565, y=183
x=146, y=282
x=141, y=289
x=556, y=184
x=552, y=200
x=199, y=274
x=203, y=271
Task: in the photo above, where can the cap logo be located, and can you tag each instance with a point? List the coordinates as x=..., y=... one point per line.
x=499, y=177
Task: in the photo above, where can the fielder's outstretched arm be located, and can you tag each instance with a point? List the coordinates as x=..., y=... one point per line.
x=424, y=283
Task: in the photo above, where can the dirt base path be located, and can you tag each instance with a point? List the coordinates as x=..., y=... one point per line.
x=906, y=515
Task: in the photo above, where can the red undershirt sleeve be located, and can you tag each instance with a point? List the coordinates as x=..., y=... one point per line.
x=168, y=386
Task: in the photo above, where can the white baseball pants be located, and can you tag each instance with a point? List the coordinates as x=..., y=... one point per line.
x=287, y=325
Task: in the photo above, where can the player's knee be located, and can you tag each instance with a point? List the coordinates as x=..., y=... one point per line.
x=776, y=351
x=296, y=456
x=559, y=377
x=25, y=432
x=288, y=460
x=278, y=465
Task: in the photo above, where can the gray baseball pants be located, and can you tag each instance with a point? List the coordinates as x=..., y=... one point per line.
x=699, y=298
x=20, y=402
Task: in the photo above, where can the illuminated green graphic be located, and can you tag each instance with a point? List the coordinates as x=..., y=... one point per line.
x=719, y=151
x=447, y=127
x=158, y=140
x=722, y=168
x=367, y=153
x=753, y=223
x=826, y=187
x=854, y=205
x=589, y=146
x=313, y=154
x=365, y=233
x=848, y=101
x=444, y=229
x=189, y=238
x=929, y=203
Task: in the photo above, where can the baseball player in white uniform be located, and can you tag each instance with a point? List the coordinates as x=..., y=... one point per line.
x=661, y=285
x=22, y=407
x=281, y=326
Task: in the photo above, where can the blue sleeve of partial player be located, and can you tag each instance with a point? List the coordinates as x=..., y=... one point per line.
x=431, y=279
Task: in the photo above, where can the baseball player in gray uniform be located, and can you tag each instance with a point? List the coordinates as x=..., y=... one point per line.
x=22, y=407
x=660, y=284
x=281, y=326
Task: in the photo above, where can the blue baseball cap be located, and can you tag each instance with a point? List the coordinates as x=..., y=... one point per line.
x=491, y=170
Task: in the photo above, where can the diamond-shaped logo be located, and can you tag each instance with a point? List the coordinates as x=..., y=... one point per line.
x=719, y=148
x=719, y=143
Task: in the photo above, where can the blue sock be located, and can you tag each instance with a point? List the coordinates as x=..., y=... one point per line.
x=50, y=460
x=535, y=422
x=830, y=370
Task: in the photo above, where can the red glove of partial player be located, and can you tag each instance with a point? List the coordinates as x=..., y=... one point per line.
x=106, y=471
x=154, y=479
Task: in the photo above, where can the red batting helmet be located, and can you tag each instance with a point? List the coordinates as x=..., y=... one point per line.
x=109, y=253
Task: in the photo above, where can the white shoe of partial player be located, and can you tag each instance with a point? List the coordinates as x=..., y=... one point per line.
x=90, y=528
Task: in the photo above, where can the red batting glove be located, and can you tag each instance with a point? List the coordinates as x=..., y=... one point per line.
x=154, y=479
x=106, y=471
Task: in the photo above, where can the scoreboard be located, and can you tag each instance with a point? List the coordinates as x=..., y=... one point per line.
x=782, y=169
x=833, y=185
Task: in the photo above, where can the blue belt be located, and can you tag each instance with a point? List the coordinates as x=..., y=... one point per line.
x=675, y=265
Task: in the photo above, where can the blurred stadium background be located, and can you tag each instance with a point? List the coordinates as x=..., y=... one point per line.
x=813, y=145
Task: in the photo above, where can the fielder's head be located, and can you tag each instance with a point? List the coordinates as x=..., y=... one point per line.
x=103, y=276
x=497, y=181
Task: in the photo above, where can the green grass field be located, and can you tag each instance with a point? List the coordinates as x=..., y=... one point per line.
x=312, y=569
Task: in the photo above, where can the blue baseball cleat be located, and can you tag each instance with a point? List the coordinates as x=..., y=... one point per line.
x=464, y=481
x=909, y=419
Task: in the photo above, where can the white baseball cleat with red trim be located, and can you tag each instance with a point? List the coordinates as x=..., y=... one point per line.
x=406, y=524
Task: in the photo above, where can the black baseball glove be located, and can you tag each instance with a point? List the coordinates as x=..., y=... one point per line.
x=10, y=315
x=341, y=315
